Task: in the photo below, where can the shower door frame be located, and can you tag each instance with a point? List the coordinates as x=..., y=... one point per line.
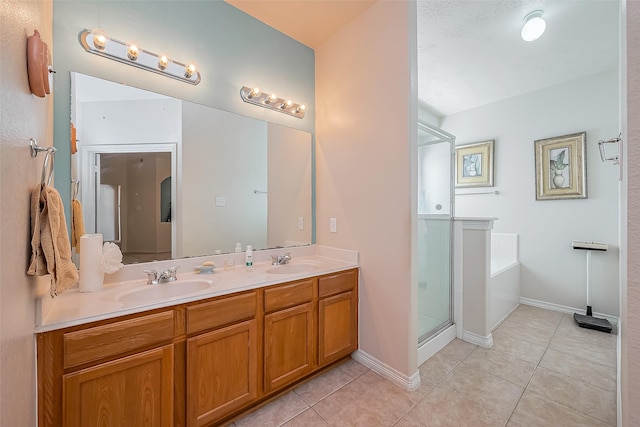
x=442, y=136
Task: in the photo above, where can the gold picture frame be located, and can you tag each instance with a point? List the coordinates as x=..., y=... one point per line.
x=474, y=164
x=561, y=167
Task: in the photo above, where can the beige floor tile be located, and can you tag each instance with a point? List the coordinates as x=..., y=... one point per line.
x=586, y=348
x=526, y=331
x=275, y=413
x=445, y=407
x=408, y=423
x=353, y=368
x=574, y=366
x=500, y=364
x=538, y=411
x=568, y=326
x=580, y=396
x=537, y=313
x=539, y=318
x=308, y=418
x=493, y=393
x=443, y=362
x=517, y=347
x=320, y=387
x=368, y=401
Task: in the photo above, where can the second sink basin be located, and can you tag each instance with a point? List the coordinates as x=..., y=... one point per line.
x=293, y=268
x=167, y=290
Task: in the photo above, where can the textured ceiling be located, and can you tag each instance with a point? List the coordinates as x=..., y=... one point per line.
x=469, y=51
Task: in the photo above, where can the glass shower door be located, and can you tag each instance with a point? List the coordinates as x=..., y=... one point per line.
x=435, y=214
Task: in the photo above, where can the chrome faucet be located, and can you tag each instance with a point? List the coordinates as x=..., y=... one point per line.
x=280, y=259
x=154, y=277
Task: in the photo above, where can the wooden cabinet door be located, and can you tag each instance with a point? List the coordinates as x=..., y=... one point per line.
x=132, y=391
x=289, y=345
x=221, y=372
x=338, y=327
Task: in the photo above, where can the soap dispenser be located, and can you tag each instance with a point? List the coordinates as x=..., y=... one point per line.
x=248, y=259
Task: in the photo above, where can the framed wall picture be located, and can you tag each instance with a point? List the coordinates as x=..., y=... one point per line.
x=474, y=164
x=561, y=167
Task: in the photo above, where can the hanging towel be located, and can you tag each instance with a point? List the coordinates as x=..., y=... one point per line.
x=77, y=224
x=50, y=248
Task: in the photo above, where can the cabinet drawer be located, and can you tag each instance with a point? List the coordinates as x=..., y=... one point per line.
x=100, y=342
x=284, y=296
x=336, y=283
x=221, y=312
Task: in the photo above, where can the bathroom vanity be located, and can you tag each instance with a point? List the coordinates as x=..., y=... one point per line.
x=200, y=362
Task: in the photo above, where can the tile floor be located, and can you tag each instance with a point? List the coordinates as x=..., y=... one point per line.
x=543, y=370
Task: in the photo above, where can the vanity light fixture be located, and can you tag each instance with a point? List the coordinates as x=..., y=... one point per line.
x=272, y=101
x=97, y=42
x=533, y=27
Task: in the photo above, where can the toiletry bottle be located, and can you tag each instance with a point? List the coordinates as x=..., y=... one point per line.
x=238, y=247
x=249, y=258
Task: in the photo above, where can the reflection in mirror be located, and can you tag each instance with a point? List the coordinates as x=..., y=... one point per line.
x=165, y=178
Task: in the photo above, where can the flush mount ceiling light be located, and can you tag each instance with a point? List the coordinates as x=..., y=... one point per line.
x=97, y=42
x=534, y=26
x=272, y=101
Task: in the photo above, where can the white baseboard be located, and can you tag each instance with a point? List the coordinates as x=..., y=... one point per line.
x=408, y=383
x=435, y=344
x=476, y=339
x=566, y=309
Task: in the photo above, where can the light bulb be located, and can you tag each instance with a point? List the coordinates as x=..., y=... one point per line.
x=301, y=108
x=254, y=92
x=288, y=103
x=132, y=52
x=534, y=26
x=99, y=41
x=163, y=62
x=190, y=70
x=273, y=97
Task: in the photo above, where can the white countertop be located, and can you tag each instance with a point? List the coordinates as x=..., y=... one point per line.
x=74, y=307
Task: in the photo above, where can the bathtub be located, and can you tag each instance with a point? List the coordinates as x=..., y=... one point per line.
x=504, y=285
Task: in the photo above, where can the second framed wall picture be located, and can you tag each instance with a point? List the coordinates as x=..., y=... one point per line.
x=474, y=164
x=561, y=167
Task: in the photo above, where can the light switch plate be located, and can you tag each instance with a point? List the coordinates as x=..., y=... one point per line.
x=300, y=223
x=221, y=201
x=333, y=225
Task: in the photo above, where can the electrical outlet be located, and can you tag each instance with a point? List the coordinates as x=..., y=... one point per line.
x=333, y=225
x=221, y=201
x=300, y=223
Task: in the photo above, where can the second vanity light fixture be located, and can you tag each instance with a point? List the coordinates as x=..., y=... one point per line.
x=272, y=101
x=97, y=42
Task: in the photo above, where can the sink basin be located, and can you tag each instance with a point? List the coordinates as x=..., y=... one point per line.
x=165, y=291
x=293, y=268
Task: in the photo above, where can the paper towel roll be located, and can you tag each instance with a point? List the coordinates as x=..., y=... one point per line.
x=91, y=274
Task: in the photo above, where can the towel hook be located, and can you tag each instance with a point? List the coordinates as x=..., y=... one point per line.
x=51, y=154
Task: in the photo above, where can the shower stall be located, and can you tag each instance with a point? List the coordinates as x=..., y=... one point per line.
x=435, y=231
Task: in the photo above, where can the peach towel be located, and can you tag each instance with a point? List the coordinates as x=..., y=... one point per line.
x=77, y=224
x=50, y=248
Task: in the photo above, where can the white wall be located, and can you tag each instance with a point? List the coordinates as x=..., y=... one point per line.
x=24, y=116
x=365, y=131
x=551, y=270
x=212, y=137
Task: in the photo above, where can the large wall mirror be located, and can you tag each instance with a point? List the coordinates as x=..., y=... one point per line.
x=166, y=178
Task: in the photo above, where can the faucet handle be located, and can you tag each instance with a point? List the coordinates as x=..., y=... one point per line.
x=171, y=273
x=275, y=259
x=152, y=277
